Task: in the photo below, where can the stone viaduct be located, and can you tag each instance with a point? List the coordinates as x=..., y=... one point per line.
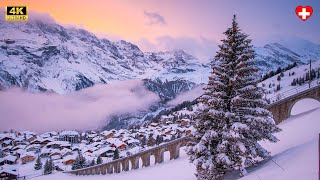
x=281, y=105
x=141, y=159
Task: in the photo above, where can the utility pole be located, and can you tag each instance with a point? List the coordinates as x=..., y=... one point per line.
x=310, y=75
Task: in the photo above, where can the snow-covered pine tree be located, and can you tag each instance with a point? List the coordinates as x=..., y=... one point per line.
x=75, y=164
x=38, y=164
x=52, y=166
x=158, y=140
x=80, y=162
x=233, y=117
x=99, y=160
x=48, y=167
x=143, y=141
x=93, y=162
x=116, y=154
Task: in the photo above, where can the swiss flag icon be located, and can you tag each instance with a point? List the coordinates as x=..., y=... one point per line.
x=304, y=12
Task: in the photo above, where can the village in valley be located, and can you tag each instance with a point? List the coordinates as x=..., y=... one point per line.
x=26, y=154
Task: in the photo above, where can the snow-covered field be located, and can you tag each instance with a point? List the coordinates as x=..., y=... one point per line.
x=295, y=156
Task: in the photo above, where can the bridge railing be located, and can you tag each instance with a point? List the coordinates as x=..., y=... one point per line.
x=293, y=91
x=133, y=155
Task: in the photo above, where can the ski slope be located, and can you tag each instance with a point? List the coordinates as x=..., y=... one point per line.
x=294, y=157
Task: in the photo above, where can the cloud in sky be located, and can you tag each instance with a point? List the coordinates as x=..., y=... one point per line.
x=154, y=18
x=85, y=109
x=202, y=48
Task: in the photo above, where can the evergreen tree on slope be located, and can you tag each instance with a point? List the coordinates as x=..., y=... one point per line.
x=38, y=164
x=48, y=167
x=116, y=154
x=233, y=117
x=99, y=160
x=80, y=162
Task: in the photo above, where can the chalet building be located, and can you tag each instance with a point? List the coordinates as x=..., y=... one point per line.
x=49, y=134
x=6, y=143
x=18, y=147
x=116, y=143
x=70, y=136
x=44, y=152
x=107, y=134
x=120, y=146
x=154, y=124
x=55, y=153
x=188, y=131
x=8, y=174
x=68, y=160
x=6, y=137
x=2, y=161
x=19, y=152
x=28, y=157
x=9, y=159
x=106, y=151
x=184, y=122
x=19, y=141
x=168, y=131
x=133, y=143
x=33, y=147
x=59, y=145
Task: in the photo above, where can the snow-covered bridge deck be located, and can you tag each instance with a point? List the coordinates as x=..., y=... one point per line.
x=132, y=162
x=281, y=104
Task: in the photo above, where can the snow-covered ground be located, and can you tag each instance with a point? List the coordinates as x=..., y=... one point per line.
x=295, y=156
x=285, y=82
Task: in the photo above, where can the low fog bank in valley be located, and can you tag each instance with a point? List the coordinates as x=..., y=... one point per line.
x=187, y=96
x=85, y=109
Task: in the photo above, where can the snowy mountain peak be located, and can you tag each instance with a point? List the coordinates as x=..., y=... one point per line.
x=42, y=56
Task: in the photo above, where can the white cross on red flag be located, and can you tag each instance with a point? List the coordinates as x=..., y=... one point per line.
x=304, y=12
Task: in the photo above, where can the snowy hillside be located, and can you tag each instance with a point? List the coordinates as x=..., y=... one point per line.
x=285, y=81
x=275, y=88
x=293, y=157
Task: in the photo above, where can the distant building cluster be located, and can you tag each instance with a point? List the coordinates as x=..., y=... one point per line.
x=64, y=147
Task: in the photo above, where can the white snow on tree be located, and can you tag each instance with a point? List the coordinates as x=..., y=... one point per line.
x=99, y=160
x=48, y=167
x=38, y=164
x=233, y=117
x=79, y=163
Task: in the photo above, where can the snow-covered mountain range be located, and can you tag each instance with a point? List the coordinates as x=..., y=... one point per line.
x=41, y=56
